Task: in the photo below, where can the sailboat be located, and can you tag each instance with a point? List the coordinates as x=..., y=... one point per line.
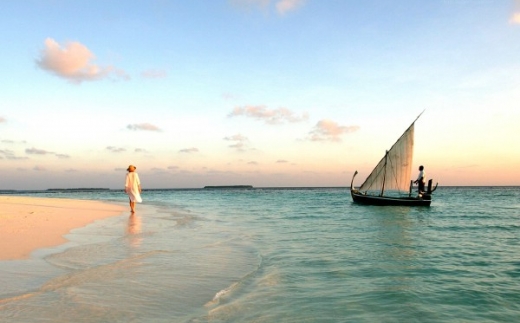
x=389, y=183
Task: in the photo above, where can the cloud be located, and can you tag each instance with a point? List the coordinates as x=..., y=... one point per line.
x=327, y=130
x=189, y=150
x=35, y=151
x=39, y=168
x=9, y=154
x=7, y=141
x=115, y=149
x=281, y=6
x=240, y=142
x=284, y=6
x=228, y=96
x=252, y=163
x=158, y=170
x=143, y=127
x=140, y=150
x=74, y=62
x=3, y=120
x=515, y=19
x=154, y=74
x=275, y=116
x=248, y=4
x=281, y=161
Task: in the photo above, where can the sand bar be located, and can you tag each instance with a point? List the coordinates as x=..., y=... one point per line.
x=30, y=223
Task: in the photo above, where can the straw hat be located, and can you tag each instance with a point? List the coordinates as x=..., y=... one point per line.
x=131, y=166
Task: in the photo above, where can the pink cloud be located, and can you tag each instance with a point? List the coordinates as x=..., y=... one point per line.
x=275, y=116
x=284, y=6
x=328, y=130
x=281, y=6
x=240, y=142
x=3, y=120
x=143, y=127
x=74, y=62
x=515, y=19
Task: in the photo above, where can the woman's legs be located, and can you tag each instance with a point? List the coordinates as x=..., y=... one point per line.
x=132, y=206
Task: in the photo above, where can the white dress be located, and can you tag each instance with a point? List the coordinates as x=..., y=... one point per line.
x=132, y=187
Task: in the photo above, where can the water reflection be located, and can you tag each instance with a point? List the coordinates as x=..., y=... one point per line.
x=133, y=230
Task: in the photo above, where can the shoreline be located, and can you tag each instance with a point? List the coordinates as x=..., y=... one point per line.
x=31, y=223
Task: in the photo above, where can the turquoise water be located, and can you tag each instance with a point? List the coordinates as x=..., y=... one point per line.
x=278, y=255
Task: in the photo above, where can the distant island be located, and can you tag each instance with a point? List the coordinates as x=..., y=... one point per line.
x=77, y=189
x=242, y=187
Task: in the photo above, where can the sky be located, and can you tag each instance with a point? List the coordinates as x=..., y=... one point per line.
x=269, y=93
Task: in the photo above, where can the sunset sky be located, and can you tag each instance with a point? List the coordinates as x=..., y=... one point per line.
x=261, y=92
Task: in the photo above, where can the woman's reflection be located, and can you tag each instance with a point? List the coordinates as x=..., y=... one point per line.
x=133, y=230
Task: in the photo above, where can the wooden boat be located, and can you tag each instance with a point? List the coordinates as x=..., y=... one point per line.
x=389, y=183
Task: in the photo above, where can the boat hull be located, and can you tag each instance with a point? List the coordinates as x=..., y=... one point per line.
x=359, y=198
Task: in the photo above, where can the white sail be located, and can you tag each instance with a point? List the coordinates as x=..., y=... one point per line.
x=394, y=170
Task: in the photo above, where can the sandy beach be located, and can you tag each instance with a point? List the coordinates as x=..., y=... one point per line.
x=30, y=223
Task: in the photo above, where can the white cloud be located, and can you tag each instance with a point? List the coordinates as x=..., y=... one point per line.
x=275, y=116
x=9, y=154
x=115, y=149
x=35, y=151
x=189, y=150
x=154, y=74
x=143, y=127
x=328, y=130
x=74, y=62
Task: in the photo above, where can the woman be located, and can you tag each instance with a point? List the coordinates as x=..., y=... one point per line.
x=133, y=187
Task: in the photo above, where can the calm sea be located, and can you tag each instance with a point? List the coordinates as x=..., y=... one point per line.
x=278, y=255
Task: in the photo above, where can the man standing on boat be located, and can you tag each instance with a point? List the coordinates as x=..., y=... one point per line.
x=420, y=179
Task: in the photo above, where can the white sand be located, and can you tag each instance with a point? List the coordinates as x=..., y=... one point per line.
x=30, y=223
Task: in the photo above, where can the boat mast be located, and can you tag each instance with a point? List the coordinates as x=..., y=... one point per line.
x=384, y=174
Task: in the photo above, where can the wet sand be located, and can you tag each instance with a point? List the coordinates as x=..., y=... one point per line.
x=31, y=223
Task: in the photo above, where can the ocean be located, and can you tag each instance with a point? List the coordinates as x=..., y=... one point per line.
x=277, y=255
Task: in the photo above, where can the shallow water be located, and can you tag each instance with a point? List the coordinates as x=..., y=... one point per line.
x=278, y=255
